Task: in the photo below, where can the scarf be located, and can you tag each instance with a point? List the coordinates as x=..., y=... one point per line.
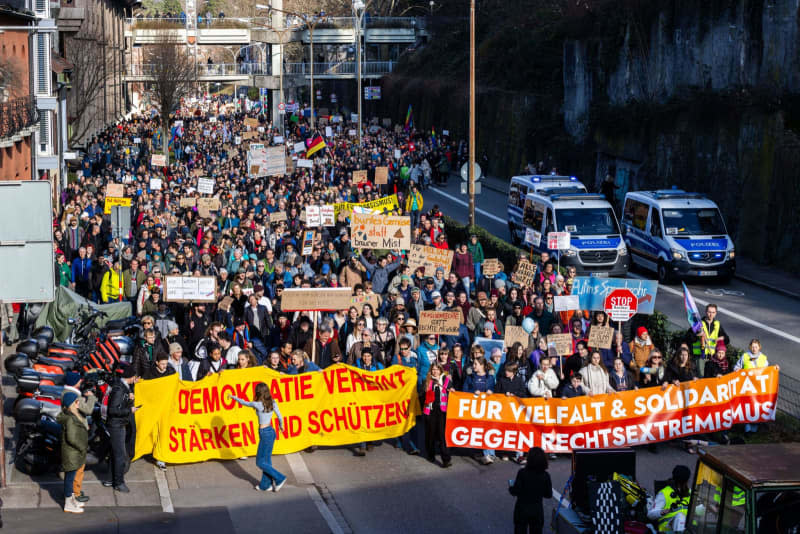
x=722, y=362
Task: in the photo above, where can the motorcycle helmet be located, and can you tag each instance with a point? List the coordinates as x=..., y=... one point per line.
x=125, y=344
x=15, y=363
x=44, y=332
x=30, y=347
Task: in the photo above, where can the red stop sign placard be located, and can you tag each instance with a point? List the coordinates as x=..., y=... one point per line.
x=621, y=304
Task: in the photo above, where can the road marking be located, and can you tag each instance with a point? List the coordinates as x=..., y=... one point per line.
x=466, y=204
x=303, y=476
x=163, y=491
x=730, y=313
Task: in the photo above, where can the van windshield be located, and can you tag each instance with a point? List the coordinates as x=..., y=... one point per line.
x=693, y=221
x=587, y=221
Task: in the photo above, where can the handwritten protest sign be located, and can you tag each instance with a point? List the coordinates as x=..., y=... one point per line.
x=491, y=266
x=566, y=303
x=562, y=343
x=249, y=135
x=359, y=300
x=188, y=202
x=323, y=299
x=115, y=190
x=327, y=215
x=114, y=201
x=251, y=122
x=525, y=273
x=443, y=323
x=381, y=175
x=158, y=160
x=359, y=177
x=600, y=337
x=190, y=288
x=380, y=231
x=305, y=164
x=429, y=258
x=313, y=216
x=625, y=419
x=155, y=184
x=277, y=216
x=514, y=334
x=388, y=203
x=206, y=186
x=206, y=205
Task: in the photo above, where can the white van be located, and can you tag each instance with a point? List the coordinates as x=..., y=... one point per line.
x=553, y=205
x=677, y=234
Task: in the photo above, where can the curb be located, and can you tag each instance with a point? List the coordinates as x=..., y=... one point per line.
x=764, y=285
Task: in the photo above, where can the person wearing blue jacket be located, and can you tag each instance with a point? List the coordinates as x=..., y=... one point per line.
x=409, y=358
x=367, y=362
x=461, y=339
x=477, y=382
x=301, y=364
x=619, y=349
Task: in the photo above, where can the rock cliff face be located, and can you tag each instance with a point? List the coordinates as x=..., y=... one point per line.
x=703, y=96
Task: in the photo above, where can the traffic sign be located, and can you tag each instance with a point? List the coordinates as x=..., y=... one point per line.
x=621, y=304
x=558, y=240
x=465, y=172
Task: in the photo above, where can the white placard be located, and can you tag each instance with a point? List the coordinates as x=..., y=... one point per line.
x=155, y=184
x=237, y=139
x=351, y=132
x=313, y=216
x=299, y=147
x=306, y=163
x=186, y=288
x=328, y=215
x=532, y=237
x=260, y=129
x=397, y=153
x=137, y=140
x=336, y=118
x=354, y=117
x=445, y=132
x=212, y=119
x=206, y=132
x=558, y=240
x=206, y=186
x=328, y=131
x=278, y=139
x=567, y=303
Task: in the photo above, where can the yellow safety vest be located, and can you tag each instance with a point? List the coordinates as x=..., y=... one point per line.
x=747, y=363
x=711, y=341
x=738, y=498
x=675, y=505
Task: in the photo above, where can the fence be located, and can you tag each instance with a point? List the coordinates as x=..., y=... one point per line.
x=15, y=115
x=341, y=68
x=789, y=395
x=207, y=70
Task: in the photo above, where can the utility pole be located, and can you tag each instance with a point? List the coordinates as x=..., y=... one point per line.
x=472, y=113
x=359, y=7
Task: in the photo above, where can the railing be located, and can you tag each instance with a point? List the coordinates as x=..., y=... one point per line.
x=15, y=115
x=158, y=23
x=341, y=68
x=207, y=70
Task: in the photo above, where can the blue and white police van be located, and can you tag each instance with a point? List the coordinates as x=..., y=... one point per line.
x=677, y=234
x=545, y=204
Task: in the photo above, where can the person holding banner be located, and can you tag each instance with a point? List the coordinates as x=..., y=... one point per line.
x=436, y=390
x=680, y=368
x=265, y=407
x=481, y=380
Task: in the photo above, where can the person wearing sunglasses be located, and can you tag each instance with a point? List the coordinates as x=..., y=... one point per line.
x=653, y=372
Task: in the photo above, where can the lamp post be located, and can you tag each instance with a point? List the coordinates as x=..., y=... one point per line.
x=359, y=8
x=472, y=113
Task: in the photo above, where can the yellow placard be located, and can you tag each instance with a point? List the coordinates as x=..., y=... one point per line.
x=115, y=201
x=181, y=422
x=385, y=203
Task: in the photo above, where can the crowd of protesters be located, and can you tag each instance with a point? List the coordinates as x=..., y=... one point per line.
x=254, y=260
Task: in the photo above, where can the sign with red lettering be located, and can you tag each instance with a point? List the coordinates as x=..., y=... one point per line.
x=621, y=304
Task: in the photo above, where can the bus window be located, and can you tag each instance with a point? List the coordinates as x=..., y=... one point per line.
x=517, y=194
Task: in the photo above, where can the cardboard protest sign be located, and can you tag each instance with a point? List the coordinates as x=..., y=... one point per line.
x=600, y=337
x=443, y=323
x=430, y=258
x=566, y=303
x=625, y=419
x=322, y=299
x=381, y=175
x=380, y=231
x=373, y=299
x=278, y=140
x=188, y=202
x=359, y=177
x=516, y=334
x=525, y=273
x=251, y=122
x=206, y=205
x=491, y=266
x=249, y=135
x=206, y=186
x=562, y=343
x=277, y=216
x=190, y=288
x=225, y=303
x=115, y=201
x=327, y=215
x=115, y=190
x=158, y=160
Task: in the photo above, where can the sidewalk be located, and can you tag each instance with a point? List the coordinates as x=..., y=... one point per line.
x=768, y=277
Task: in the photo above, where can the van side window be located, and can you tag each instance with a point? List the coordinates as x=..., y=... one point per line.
x=655, y=223
x=517, y=194
x=534, y=214
x=551, y=222
x=635, y=214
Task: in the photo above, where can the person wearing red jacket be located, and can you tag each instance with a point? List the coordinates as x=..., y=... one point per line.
x=462, y=265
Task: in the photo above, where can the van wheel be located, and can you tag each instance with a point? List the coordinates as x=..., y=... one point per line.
x=664, y=276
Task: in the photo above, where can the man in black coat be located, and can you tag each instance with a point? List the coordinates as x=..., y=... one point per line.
x=120, y=415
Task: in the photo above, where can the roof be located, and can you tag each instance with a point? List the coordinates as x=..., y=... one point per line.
x=674, y=198
x=762, y=465
x=7, y=8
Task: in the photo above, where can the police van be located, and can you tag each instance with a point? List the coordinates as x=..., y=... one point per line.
x=677, y=234
x=540, y=204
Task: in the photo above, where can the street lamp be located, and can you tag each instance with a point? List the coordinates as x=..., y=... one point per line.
x=432, y=3
x=472, y=113
x=359, y=8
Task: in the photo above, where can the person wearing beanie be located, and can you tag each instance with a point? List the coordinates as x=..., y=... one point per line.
x=671, y=504
x=640, y=350
x=717, y=364
x=86, y=402
x=120, y=421
x=74, y=445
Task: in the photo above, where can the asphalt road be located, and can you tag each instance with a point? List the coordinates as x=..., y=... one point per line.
x=746, y=311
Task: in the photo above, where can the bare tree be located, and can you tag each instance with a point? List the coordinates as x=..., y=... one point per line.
x=9, y=78
x=173, y=74
x=90, y=59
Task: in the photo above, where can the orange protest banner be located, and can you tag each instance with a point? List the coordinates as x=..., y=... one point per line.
x=625, y=419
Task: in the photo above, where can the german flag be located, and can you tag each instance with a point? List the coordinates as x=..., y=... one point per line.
x=314, y=145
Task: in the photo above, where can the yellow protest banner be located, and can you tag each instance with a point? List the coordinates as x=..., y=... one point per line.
x=181, y=422
x=382, y=204
x=115, y=201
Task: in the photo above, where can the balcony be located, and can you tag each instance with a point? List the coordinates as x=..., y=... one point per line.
x=17, y=119
x=340, y=69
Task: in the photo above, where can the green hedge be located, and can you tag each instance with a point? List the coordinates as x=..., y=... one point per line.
x=493, y=246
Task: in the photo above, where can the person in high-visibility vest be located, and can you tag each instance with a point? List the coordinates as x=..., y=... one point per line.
x=704, y=343
x=753, y=358
x=671, y=504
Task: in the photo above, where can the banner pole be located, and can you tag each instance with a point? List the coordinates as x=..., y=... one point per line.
x=314, y=338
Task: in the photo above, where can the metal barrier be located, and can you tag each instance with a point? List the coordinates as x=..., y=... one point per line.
x=789, y=395
x=340, y=68
x=15, y=115
x=207, y=70
x=158, y=23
